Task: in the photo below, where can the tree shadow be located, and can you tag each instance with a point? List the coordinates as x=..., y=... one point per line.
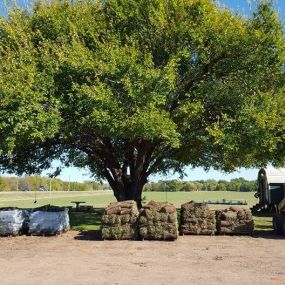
x=267, y=235
x=92, y=235
x=263, y=214
x=86, y=220
x=87, y=223
x=264, y=226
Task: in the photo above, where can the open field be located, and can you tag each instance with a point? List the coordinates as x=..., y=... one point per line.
x=100, y=199
x=26, y=199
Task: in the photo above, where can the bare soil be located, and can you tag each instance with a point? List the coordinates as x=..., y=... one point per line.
x=80, y=258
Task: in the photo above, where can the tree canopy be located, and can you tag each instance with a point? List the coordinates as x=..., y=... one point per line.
x=129, y=88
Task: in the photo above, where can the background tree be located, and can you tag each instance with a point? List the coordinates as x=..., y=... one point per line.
x=189, y=186
x=32, y=183
x=240, y=185
x=129, y=88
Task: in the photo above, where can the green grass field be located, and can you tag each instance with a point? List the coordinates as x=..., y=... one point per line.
x=100, y=199
x=26, y=199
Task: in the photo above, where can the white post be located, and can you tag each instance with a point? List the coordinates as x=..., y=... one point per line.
x=50, y=187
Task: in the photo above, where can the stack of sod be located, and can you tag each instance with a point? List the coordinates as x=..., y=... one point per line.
x=158, y=221
x=119, y=221
x=197, y=219
x=234, y=221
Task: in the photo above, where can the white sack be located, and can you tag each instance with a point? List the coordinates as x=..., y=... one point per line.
x=48, y=223
x=11, y=221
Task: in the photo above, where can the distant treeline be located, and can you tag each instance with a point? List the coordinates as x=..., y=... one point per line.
x=237, y=184
x=32, y=183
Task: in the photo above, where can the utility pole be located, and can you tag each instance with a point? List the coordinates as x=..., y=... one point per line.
x=69, y=184
x=50, y=187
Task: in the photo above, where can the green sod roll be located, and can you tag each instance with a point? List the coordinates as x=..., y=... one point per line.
x=234, y=221
x=158, y=221
x=119, y=221
x=197, y=219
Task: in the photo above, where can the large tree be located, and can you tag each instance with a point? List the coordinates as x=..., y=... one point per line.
x=129, y=88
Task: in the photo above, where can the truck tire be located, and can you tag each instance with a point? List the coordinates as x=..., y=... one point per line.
x=279, y=224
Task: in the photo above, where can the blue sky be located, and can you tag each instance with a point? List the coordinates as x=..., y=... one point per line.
x=75, y=174
x=241, y=5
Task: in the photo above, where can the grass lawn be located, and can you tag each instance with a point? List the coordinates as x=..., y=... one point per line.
x=179, y=198
x=27, y=199
x=100, y=199
x=85, y=221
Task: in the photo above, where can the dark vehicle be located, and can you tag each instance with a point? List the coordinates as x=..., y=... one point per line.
x=271, y=189
x=42, y=188
x=271, y=195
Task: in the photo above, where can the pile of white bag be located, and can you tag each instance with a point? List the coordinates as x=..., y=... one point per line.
x=12, y=221
x=48, y=220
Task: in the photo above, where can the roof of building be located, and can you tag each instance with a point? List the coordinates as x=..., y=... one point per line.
x=273, y=175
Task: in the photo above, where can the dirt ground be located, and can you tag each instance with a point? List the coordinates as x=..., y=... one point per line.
x=78, y=258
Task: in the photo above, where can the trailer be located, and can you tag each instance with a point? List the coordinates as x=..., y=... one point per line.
x=271, y=194
x=271, y=189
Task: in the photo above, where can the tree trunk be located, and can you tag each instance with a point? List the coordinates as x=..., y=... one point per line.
x=131, y=191
x=126, y=169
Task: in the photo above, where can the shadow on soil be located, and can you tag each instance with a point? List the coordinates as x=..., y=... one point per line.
x=267, y=235
x=263, y=225
x=89, y=235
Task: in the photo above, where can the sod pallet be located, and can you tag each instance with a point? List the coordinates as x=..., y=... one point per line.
x=234, y=221
x=119, y=221
x=158, y=221
x=197, y=219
